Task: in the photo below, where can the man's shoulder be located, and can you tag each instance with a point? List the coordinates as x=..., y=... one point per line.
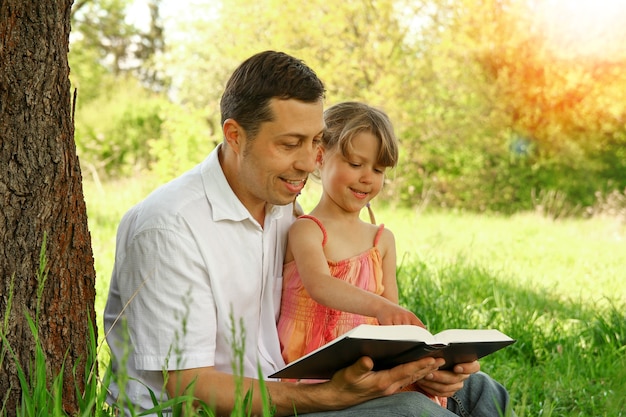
x=167, y=202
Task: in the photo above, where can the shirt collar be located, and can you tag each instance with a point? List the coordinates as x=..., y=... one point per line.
x=226, y=205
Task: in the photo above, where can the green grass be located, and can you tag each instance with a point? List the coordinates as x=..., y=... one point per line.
x=42, y=393
x=556, y=286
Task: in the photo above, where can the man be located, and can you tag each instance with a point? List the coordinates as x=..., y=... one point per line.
x=205, y=251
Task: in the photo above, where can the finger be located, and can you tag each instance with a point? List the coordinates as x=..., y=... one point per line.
x=415, y=371
x=360, y=368
x=443, y=382
x=437, y=389
x=353, y=375
x=447, y=377
x=467, y=368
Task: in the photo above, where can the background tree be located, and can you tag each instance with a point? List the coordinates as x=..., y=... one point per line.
x=103, y=37
x=121, y=92
x=565, y=105
x=41, y=192
x=493, y=113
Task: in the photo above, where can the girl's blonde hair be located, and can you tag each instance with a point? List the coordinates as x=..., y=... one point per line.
x=345, y=120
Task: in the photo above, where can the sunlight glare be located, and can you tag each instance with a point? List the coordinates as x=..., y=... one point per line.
x=592, y=28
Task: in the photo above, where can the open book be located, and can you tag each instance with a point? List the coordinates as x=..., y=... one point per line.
x=389, y=346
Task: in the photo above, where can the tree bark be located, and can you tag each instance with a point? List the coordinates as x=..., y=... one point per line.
x=41, y=195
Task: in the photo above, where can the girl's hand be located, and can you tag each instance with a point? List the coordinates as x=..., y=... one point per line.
x=394, y=314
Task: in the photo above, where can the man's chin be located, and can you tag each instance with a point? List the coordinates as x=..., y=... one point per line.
x=283, y=201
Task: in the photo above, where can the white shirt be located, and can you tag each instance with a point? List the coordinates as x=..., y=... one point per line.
x=191, y=261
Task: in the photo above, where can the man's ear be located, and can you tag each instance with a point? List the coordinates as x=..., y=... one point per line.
x=233, y=134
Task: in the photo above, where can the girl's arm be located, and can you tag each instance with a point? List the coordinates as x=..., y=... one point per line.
x=305, y=243
x=387, y=248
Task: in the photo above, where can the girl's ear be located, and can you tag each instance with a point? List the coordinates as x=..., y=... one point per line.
x=233, y=134
x=320, y=156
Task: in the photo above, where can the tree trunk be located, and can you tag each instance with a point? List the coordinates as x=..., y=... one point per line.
x=41, y=195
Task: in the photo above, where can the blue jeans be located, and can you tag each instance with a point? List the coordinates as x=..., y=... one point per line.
x=481, y=396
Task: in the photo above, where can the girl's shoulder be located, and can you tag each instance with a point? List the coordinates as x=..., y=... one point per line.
x=305, y=224
x=384, y=237
x=380, y=233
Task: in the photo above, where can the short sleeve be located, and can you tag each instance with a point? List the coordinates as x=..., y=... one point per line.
x=169, y=303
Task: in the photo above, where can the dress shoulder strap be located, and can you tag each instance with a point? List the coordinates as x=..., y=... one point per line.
x=379, y=234
x=321, y=226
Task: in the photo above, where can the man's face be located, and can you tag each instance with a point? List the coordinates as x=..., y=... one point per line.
x=276, y=163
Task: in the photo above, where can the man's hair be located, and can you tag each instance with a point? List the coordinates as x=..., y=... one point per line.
x=345, y=120
x=262, y=77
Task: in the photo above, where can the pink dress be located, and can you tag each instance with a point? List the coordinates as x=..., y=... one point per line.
x=304, y=324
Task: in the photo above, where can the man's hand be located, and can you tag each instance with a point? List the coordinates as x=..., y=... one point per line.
x=446, y=383
x=359, y=383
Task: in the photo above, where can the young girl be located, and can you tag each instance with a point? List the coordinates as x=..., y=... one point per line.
x=340, y=271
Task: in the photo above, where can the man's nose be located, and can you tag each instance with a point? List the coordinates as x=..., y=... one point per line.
x=306, y=158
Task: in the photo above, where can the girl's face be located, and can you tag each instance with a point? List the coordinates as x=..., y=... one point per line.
x=352, y=180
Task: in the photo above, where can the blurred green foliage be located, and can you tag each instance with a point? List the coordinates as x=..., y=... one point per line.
x=113, y=130
x=491, y=116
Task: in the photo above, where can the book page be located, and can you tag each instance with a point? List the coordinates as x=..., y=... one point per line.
x=396, y=332
x=470, y=335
